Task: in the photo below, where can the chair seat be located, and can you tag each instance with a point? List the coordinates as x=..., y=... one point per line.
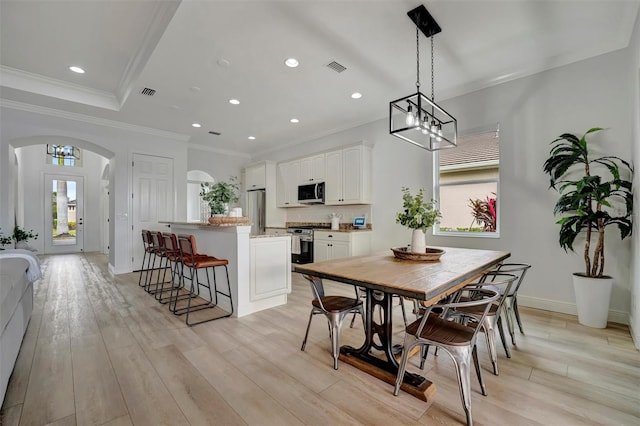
x=442, y=331
x=478, y=312
x=336, y=303
x=205, y=261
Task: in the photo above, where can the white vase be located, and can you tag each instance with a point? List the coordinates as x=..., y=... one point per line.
x=592, y=300
x=418, y=241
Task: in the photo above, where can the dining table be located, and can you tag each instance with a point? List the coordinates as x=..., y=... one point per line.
x=382, y=275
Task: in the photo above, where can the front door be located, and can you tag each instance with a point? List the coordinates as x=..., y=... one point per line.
x=63, y=212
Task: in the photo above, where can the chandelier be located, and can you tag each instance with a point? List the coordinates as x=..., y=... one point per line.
x=63, y=151
x=416, y=118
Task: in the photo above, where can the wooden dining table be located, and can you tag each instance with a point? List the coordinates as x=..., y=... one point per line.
x=382, y=275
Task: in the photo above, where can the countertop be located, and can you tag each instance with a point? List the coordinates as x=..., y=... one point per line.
x=344, y=227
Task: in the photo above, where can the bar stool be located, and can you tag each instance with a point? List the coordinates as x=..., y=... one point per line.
x=196, y=262
x=149, y=253
x=172, y=251
x=160, y=254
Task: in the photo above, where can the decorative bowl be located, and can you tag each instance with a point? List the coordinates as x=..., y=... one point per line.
x=430, y=255
x=228, y=220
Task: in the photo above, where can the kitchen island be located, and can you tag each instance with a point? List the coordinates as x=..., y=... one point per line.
x=259, y=265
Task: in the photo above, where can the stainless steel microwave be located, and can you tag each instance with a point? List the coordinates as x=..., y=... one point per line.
x=312, y=193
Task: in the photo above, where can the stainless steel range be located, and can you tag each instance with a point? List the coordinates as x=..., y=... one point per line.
x=302, y=243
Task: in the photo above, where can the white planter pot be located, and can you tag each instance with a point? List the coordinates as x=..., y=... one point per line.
x=592, y=300
x=418, y=242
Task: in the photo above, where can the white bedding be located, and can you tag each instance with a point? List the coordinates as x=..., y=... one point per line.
x=34, y=272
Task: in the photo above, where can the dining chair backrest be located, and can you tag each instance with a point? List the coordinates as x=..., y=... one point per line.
x=317, y=287
x=469, y=297
x=519, y=269
x=501, y=282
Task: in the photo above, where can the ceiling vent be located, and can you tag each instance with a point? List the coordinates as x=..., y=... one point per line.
x=336, y=66
x=211, y=132
x=147, y=92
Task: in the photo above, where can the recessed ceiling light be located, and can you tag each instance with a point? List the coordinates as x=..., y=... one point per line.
x=234, y=101
x=294, y=120
x=77, y=69
x=194, y=88
x=252, y=138
x=196, y=125
x=356, y=95
x=291, y=62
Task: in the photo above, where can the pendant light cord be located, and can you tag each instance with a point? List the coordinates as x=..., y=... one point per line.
x=432, y=74
x=417, y=59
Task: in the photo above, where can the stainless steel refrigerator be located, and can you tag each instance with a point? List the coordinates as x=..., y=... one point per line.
x=256, y=211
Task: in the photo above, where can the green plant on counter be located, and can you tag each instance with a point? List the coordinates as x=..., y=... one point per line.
x=220, y=194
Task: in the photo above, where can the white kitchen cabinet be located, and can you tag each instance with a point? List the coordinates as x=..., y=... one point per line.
x=312, y=169
x=270, y=267
x=287, y=184
x=329, y=245
x=348, y=176
x=255, y=177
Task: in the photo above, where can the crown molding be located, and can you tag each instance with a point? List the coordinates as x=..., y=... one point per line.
x=21, y=106
x=218, y=150
x=162, y=15
x=46, y=86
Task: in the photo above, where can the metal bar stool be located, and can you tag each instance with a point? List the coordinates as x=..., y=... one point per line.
x=163, y=263
x=174, y=257
x=149, y=253
x=196, y=262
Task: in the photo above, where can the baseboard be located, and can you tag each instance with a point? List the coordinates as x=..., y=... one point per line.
x=619, y=317
x=635, y=336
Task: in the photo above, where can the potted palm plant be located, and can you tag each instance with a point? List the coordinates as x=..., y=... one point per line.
x=594, y=193
x=419, y=215
x=219, y=195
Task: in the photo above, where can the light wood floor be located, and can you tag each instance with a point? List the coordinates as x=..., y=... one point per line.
x=101, y=351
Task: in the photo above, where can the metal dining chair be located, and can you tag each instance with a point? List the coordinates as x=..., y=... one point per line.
x=511, y=302
x=335, y=308
x=488, y=322
x=456, y=339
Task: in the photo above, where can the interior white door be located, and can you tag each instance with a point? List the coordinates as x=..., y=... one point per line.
x=64, y=214
x=152, y=199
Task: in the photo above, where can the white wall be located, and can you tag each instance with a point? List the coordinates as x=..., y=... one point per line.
x=32, y=166
x=634, y=86
x=219, y=165
x=532, y=112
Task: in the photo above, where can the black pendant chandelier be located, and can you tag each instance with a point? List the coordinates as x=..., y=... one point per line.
x=416, y=118
x=63, y=151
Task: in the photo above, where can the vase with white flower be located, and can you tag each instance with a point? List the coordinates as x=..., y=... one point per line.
x=419, y=215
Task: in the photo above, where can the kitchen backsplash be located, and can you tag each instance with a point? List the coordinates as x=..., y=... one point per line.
x=322, y=214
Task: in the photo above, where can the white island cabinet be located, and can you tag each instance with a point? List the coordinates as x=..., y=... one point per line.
x=259, y=266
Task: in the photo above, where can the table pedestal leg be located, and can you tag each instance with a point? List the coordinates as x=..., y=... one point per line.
x=378, y=336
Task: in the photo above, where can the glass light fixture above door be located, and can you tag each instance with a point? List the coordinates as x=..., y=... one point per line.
x=416, y=118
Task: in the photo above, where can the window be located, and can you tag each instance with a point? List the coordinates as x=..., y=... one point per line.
x=64, y=155
x=466, y=186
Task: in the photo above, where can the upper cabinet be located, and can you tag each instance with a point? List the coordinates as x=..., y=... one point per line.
x=255, y=177
x=348, y=176
x=288, y=176
x=312, y=169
